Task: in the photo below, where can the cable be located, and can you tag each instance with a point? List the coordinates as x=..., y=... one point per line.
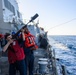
x=62, y=24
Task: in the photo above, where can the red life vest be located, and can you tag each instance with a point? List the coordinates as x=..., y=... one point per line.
x=29, y=40
x=1, y=35
x=16, y=53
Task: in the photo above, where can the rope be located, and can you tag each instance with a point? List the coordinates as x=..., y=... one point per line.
x=62, y=24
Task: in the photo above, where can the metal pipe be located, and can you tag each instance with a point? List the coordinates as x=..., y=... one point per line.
x=54, y=68
x=64, y=71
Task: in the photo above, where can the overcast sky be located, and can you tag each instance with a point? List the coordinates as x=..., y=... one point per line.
x=53, y=15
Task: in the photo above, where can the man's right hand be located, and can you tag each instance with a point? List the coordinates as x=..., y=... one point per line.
x=22, y=30
x=10, y=41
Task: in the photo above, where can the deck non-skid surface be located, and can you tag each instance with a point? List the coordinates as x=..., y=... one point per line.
x=4, y=65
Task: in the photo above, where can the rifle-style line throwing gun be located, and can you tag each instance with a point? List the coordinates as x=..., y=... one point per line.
x=32, y=19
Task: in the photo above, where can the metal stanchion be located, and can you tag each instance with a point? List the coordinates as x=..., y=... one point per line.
x=64, y=71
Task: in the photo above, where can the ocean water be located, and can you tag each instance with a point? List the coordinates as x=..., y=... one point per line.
x=65, y=49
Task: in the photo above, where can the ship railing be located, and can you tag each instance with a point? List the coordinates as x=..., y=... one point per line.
x=63, y=70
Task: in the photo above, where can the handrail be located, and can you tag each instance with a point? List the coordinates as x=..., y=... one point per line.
x=64, y=71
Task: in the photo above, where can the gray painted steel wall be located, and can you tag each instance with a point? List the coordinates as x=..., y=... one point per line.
x=4, y=27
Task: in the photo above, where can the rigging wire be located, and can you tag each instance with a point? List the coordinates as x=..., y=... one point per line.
x=62, y=24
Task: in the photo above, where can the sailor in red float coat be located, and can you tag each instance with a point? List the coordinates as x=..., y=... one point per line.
x=29, y=46
x=15, y=56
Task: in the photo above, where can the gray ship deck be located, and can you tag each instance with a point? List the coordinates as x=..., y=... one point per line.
x=40, y=53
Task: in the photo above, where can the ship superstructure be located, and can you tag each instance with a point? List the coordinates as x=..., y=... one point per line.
x=9, y=15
